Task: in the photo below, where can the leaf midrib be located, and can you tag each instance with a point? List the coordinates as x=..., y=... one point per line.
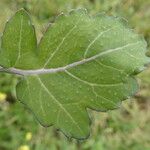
x=69, y=66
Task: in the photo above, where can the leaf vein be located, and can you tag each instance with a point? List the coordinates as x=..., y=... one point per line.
x=89, y=83
x=20, y=40
x=97, y=95
x=95, y=39
x=59, y=104
x=57, y=49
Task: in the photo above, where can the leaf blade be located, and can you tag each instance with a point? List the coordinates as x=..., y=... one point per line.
x=19, y=43
x=82, y=62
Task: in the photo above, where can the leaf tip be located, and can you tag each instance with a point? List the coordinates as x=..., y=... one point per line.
x=22, y=11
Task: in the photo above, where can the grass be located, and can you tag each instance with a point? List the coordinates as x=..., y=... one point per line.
x=122, y=129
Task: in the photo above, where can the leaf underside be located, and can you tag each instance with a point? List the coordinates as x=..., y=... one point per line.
x=96, y=57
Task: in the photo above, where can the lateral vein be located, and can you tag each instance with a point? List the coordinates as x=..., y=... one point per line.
x=20, y=40
x=59, y=104
x=89, y=83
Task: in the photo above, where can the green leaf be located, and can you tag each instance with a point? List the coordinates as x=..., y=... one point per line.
x=19, y=44
x=81, y=62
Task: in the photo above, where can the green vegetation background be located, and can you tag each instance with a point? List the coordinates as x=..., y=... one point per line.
x=127, y=128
